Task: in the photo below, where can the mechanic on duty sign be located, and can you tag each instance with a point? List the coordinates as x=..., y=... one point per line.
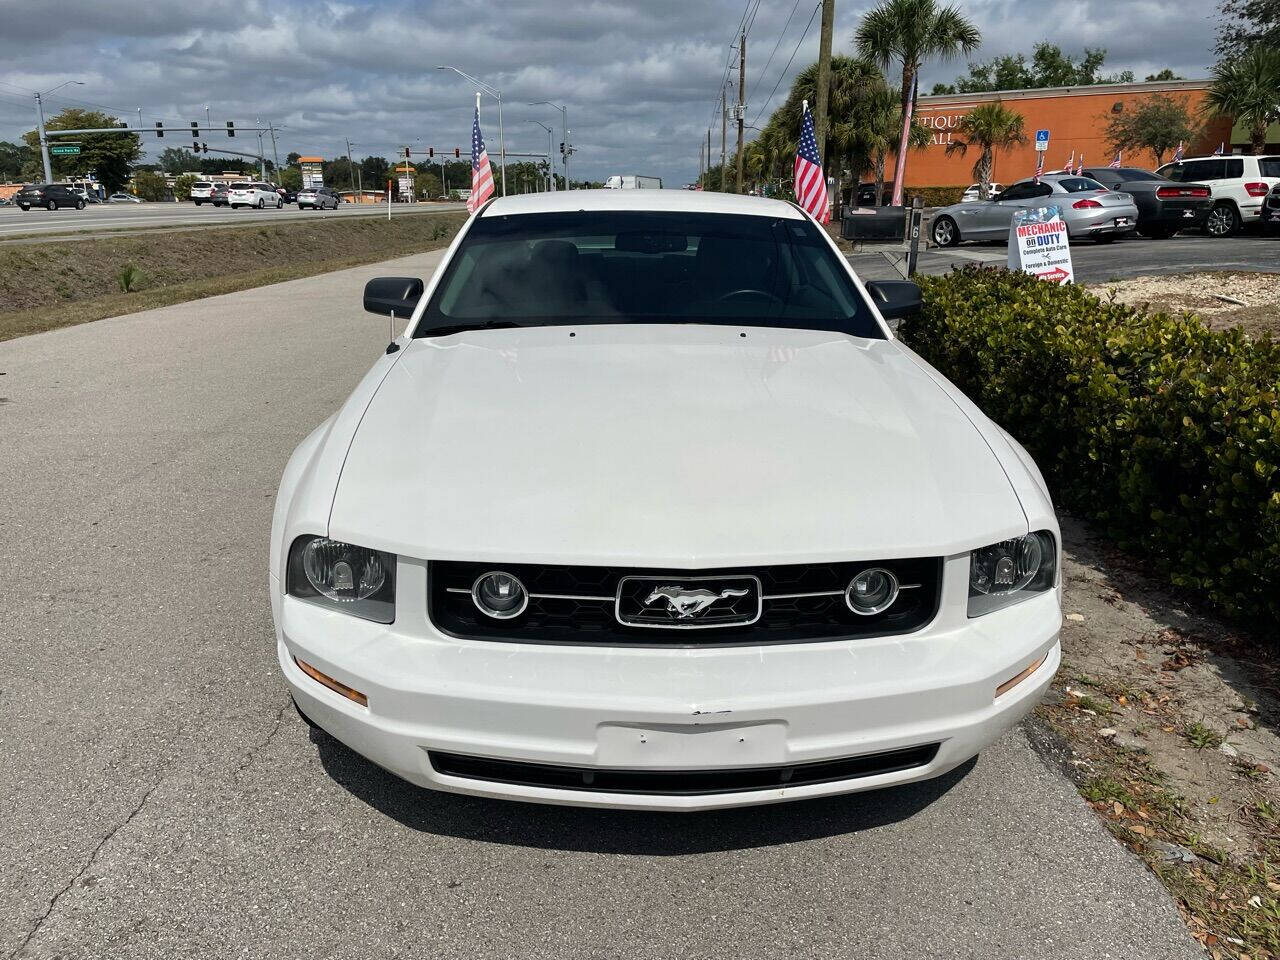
x=1039, y=245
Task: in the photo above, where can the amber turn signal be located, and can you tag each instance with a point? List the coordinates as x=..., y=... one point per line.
x=335, y=685
x=1014, y=681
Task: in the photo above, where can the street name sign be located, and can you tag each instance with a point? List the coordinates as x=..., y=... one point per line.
x=1039, y=244
x=65, y=150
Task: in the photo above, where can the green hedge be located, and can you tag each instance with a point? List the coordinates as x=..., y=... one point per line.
x=936, y=196
x=1164, y=432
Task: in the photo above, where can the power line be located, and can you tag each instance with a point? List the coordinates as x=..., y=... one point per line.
x=788, y=66
x=785, y=27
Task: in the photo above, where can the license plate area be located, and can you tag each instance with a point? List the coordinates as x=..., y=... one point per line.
x=691, y=746
x=1122, y=221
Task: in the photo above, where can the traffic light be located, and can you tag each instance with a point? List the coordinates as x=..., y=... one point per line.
x=431, y=152
x=204, y=147
x=195, y=130
x=195, y=146
x=457, y=153
x=160, y=129
x=231, y=128
x=562, y=148
x=406, y=153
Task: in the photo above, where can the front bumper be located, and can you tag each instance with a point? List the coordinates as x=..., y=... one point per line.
x=664, y=709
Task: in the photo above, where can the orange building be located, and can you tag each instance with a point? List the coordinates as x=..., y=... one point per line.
x=1076, y=118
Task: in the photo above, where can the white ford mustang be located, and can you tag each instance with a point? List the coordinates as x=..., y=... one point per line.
x=649, y=508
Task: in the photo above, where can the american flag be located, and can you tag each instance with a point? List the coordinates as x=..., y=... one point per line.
x=1115, y=164
x=481, y=173
x=1177, y=154
x=1071, y=164
x=1222, y=148
x=1039, y=164
x=811, y=185
x=1080, y=165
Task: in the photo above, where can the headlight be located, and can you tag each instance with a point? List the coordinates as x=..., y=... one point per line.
x=342, y=576
x=1011, y=570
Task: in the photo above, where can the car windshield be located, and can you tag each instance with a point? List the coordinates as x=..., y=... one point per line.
x=589, y=267
x=242, y=186
x=1079, y=184
x=202, y=184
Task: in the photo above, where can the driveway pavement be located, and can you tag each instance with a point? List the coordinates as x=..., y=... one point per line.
x=161, y=799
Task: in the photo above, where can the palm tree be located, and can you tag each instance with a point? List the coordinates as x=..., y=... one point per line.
x=1247, y=90
x=912, y=32
x=878, y=128
x=990, y=127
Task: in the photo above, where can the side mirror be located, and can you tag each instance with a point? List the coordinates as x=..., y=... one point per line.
x=388, y=295
x=895, y=299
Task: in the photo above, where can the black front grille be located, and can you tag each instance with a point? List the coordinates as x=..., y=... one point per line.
x=679, y=782
x=571, y=604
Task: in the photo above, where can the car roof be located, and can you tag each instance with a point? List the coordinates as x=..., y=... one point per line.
x=674, y=201
x=1226, y=156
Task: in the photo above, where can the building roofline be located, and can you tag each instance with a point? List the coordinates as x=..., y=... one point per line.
x=1038, y=93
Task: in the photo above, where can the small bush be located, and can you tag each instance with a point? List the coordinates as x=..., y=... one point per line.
x=1165, y=432
x=128, y=278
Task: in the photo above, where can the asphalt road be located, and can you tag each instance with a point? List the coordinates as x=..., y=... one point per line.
x=115, y=217
x=1098, y=263
x=161, y=799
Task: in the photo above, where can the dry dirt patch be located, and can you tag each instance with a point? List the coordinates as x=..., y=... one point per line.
x=1169, y=724
x=1250, y=301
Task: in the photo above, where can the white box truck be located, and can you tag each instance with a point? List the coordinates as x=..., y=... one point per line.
x=617, y=182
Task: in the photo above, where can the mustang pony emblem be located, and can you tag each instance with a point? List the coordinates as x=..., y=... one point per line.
x=687, y=604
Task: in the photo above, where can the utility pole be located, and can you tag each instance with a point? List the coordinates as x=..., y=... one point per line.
x=44, y=142
x=351, y=169
x=262, y=159
x=707, y=186
x=275, y=154
x=824, y=79
x=701, y=157
x=724, y=132
x=742, y=107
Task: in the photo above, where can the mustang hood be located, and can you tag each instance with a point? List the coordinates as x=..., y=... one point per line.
x=669, y=446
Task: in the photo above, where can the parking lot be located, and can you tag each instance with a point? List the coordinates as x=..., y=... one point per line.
x=1098, y=263
x=164, y=800
x=115, y=217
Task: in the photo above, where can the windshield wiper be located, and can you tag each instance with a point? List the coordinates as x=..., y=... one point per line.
x=466, y=327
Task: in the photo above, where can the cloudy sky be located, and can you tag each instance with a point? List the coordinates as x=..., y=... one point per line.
x=639, y=77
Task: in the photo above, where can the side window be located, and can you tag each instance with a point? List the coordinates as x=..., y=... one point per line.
x=1017, y=192
x=1040, y=190
x=1203, y=170
x=1269, y=166
x=1235, y=167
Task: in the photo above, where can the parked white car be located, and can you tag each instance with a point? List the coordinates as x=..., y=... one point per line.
x=246, y=193
x=974, y=192
x=649, y=508
x=1239, y=186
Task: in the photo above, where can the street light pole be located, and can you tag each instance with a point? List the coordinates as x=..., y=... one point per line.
x=497, y=95
x=44, y=140
x=551, y=164
x=564, y=125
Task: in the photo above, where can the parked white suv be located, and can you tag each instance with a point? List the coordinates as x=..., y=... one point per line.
x=1239, y=185
x=247, y=193
x=648, y=507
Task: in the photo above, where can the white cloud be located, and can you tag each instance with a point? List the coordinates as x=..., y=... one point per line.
x=639, y=77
